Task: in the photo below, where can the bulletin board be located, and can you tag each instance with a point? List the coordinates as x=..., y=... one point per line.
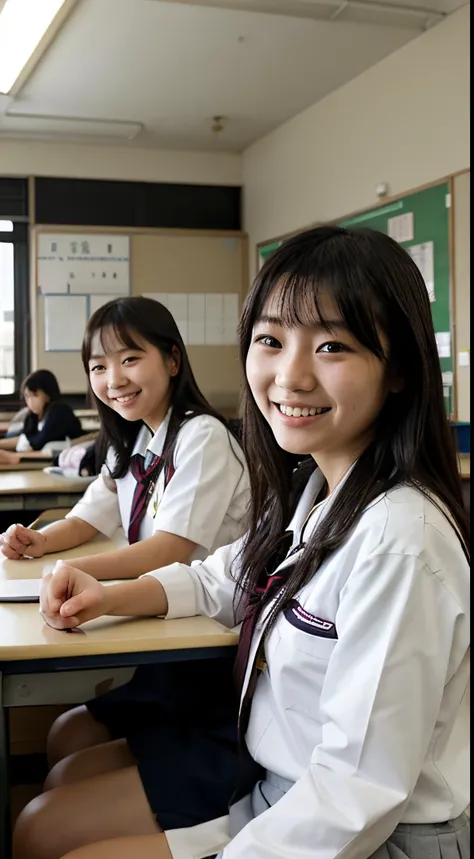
x=77, y=273
x=421, y=222
x=181, y=268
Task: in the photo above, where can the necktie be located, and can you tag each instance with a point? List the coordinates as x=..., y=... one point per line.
x=145, y=475
x=269, y=584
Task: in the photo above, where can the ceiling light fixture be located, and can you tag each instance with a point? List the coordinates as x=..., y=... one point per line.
x=217, y=124
x=23, y=23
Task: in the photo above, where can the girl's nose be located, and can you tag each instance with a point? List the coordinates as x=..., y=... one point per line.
x=295, y=373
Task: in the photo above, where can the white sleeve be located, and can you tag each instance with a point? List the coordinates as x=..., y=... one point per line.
x=22, y=445
x=207, y=473
x=380, y=701
x=99, y=505
x=206, y=587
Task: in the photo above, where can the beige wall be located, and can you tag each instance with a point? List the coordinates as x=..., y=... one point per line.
x=84, y=161
x=405, y=121
x=172, y=261
x=462, y=290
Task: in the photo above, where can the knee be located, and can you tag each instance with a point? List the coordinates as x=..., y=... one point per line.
x=61, y=773
x=72, y=732
x=59, y=741
x=35, y=831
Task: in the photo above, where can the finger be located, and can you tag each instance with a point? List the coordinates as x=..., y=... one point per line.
x=10, y=553
x=19, y=534
x=55, y=621
x=49, y=604
x=86, y=601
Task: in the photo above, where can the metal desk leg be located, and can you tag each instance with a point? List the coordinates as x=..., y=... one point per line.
x=4, y=784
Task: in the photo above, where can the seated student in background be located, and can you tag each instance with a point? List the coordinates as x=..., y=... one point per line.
x=176, y=480
x=352, y=582
x=48, y=418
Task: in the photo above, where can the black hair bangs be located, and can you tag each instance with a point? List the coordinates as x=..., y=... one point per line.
x=322, y=283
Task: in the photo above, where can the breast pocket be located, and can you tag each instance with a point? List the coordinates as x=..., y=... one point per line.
x=307, y=632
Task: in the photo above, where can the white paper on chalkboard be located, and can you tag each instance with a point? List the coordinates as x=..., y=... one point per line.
x=65, y=318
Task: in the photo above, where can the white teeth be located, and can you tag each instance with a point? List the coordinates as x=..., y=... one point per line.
x=125, y=399
x=297, y=412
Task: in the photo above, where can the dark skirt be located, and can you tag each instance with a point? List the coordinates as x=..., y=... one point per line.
x=180, y=722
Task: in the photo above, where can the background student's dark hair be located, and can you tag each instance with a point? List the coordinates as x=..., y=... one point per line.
x=152, y=321
x=375, y=284
x=42, y=380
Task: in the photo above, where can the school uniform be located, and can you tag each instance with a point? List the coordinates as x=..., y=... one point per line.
x=178, y=716
x=360, y=712
x=57, y=424
x=205, y=500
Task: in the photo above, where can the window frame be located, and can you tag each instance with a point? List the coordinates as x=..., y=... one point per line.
x=21, y=306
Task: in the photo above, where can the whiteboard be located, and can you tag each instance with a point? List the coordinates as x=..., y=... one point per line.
x=81, y=263
x=65, y=318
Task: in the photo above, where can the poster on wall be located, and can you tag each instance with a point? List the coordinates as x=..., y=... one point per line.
x=83, y=264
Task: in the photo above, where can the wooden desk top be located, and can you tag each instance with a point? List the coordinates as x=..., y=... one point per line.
x=31, y=482
x=24, y=634
x=36, y=568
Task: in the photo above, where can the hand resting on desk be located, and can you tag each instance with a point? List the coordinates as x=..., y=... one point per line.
x=18, y=541
x=70, y=597
x=7, y=457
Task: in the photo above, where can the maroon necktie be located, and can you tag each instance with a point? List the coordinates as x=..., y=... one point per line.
x=268, y=583
x=143, y=490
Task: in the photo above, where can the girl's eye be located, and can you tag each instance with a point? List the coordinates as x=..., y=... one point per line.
x=267, y=340
x=96, y=367
x=333, y=347
x=130, y=358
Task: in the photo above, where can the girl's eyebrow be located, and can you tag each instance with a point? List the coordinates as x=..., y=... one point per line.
x=118, y=352
x=328, y=325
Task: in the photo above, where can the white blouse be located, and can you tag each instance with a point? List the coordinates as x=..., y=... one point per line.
x=364, y=703
x=205, y=501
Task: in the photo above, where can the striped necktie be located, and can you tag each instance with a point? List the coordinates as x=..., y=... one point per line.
x=144, y=470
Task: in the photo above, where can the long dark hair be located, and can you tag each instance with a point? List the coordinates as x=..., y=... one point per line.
x=127, y=318
x=376, y=286
x=42, y=380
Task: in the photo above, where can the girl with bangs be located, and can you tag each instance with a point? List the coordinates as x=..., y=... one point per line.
x=352, y=582
x=176, y=481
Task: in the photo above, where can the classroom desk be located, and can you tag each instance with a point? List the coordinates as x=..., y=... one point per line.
x=28, y=646
x=35, y=490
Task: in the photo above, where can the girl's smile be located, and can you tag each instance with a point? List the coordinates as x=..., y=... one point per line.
x=135, y=382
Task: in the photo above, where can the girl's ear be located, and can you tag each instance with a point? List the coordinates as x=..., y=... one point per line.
x=175, y=361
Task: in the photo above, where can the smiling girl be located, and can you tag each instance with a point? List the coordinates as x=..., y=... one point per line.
x=175, y=479
x=352, y=583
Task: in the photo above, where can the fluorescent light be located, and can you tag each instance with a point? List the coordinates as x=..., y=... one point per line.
x=23, y=24
x=69, y=126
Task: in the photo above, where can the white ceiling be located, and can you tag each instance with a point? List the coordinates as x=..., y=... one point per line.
x=168, y=67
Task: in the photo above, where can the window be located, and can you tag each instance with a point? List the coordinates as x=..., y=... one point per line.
x=14, y=316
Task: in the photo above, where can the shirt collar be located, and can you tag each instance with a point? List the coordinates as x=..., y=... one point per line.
x=154, y=443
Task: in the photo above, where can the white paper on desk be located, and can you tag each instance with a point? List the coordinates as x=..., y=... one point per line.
x=20, y=590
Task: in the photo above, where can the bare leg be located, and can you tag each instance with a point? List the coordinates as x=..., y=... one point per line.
x=97, y=760
x=133, y=847
x=73, y=731
x=111, y=805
